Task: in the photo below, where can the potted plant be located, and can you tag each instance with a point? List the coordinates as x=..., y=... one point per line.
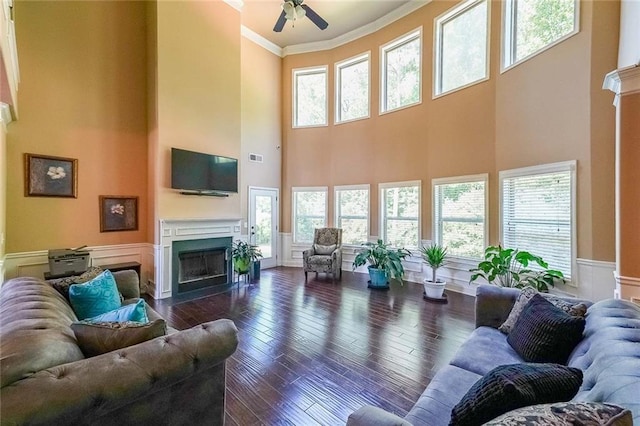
x=243, y=254
x=510, y=268
x=435, y=256
x=384, y=263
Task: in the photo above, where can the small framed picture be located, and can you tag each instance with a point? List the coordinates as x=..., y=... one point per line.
x=118, y=213
x=47, y=176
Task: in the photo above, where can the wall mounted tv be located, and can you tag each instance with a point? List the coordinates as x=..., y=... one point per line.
x=197, y=173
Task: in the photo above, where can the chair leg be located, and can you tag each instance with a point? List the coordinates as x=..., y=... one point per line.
x=305, y=276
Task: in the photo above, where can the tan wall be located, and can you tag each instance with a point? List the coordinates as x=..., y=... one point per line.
x=629, y=188
x=629, y=33
x=198, y=98
x=82, y=95
x=261, y=120
x=541, y=111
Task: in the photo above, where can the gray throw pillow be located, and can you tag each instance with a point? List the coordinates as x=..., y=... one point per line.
x=576, y=310
x=95, y=338
x=566, y=413
x=63, y=284
x=324, y=250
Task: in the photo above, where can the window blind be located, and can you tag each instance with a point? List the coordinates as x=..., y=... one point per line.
x=401, y=216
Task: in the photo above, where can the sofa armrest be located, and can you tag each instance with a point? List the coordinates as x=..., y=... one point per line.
x=97, y=388
x=128, y=283
x=374, y=416
x=493, y=304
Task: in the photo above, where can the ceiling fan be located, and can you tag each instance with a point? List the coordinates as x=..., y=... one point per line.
x=293, y=10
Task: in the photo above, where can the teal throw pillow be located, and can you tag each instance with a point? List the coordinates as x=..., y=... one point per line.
x=134, y=312
x=95, y=297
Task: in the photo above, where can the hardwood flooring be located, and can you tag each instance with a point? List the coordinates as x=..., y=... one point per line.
x=311, y=354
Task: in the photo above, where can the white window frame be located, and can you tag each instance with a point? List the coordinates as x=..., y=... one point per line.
x=337, y=217
x=406, y=38
x=563, y=166
x=294, y=207
x=439, y=22
x=338, y=98
x=507, y=51
x=461, y=179
x=386, y=185
x=294, y=93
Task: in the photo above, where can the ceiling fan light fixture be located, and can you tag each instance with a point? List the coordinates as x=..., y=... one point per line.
x=293, y=11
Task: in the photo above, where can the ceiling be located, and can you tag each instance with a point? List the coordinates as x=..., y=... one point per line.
x=343, y=16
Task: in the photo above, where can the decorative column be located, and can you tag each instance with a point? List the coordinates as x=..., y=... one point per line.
x=625, y=83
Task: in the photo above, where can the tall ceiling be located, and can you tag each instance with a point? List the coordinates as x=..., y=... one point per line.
x=343, y=16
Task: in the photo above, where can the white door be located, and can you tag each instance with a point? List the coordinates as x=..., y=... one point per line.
x=263, y=223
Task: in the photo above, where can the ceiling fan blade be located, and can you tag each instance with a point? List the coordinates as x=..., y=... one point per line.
x=280, y=22
x=315, y=18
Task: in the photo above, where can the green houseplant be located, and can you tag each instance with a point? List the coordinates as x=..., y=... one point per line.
x=243, y=254
x=435, y=256
x=384, y=263
x=510, y=268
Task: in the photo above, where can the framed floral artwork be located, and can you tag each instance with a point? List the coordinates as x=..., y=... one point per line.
x=47, y=176
x=118, y=213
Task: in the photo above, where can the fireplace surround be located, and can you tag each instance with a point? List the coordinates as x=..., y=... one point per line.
x=201, y=265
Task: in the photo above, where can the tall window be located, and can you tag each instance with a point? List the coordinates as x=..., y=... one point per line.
x=352, y=213
x=400, y=213
x=352, y=88
x=310, y=97
x=530, y=26
x=538, y=213
x=461, y=46
x=309, y=212
x=401, y=65
x=460, y=214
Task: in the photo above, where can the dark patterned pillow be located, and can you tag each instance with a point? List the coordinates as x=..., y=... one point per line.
x=545, y=333
x=63, y=284
x=508, y=387
x=566, y=413
x=95, y=338
x=577, y=309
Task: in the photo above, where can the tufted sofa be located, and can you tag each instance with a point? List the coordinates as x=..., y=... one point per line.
x=45, y=379
x=608, y=355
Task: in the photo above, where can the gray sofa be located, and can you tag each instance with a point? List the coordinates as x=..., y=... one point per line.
x=171, y=380
x=608, y=355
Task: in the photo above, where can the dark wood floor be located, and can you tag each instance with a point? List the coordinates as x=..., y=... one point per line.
x=313, y=353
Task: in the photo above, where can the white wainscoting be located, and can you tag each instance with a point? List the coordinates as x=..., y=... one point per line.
x=595, y=279
x=627, y=287
x=2, y=270
x=36, y=263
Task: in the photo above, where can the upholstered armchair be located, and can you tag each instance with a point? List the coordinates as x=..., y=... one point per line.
x=326, y=253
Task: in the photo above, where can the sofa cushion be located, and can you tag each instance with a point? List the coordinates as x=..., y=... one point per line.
x=95, y=338
x=545, y=333
x=508, y=387
x=63, y=284
x=484, y=350
x=320, y=259
x=136, y=312
x=566, y=413
x=575, y=309
x=95, y=297
x=444, y=392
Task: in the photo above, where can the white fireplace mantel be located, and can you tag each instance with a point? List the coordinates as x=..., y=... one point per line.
x=185, y=229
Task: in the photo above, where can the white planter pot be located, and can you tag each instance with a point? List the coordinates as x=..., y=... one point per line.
x=434, y=290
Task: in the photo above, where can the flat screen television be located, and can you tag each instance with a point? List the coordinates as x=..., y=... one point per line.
x=198, y=172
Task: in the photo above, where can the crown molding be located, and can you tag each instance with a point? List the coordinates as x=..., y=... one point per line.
x=260, y=41
x=236, y=4
x=365, y=30
x=623, y=81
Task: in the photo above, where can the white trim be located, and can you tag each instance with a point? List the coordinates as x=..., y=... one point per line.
x=295, y=189
x=444, y=18
x=386, y=185
x=396, y=14
x=484, y=177
x=623, y=81
x=5, y=114
x=336, y=209
x=415, y=34
x=338, y=66
x=260, y=41
x=277, y=215
x=294, y=94
x=2, y=270
x=561, y=166
x=507, y=34
x=236, y=4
